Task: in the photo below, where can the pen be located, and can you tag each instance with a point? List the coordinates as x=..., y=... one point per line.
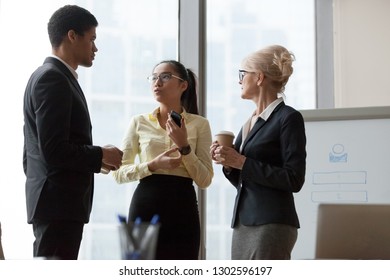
x=149, y=234
x=136, y=229
x=132, y=253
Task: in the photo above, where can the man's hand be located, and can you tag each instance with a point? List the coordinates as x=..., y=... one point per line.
x=112, y=157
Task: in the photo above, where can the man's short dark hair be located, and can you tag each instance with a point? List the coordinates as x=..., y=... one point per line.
x=69, y=17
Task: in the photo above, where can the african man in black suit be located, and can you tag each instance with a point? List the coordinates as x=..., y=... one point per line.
x=59, y=159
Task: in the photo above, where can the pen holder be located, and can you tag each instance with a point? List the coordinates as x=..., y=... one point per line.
x=138, y=241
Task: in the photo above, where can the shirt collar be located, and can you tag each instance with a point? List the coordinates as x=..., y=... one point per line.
x=153, y=115
x=270, y=108
x=74, y=73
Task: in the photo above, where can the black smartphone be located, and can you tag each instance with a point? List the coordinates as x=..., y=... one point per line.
x=176, y=117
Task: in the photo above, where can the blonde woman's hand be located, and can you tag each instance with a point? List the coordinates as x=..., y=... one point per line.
x=213, y=147
x=228, y=156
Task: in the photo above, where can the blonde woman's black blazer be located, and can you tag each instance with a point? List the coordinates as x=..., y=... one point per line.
x=274, y=169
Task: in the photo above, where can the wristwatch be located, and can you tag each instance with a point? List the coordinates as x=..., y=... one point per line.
x=185, y=150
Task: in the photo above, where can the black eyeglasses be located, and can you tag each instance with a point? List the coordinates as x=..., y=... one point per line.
x=242, y=73
x=164, y=77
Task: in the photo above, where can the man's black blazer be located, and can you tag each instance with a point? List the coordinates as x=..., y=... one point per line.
x=274, y=169
x=58, y=158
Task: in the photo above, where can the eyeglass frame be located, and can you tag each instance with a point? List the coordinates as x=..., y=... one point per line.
x=242, y=73
x=153, y=78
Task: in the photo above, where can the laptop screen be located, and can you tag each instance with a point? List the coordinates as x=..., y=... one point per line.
x=353, y=231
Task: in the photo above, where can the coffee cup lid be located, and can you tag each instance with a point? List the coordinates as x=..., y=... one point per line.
x=225, y=132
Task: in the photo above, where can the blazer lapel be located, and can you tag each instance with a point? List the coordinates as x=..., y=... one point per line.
x=70, y=76
x=258, y=125
x=80, y=92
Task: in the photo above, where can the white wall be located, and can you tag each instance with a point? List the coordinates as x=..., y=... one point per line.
x=362, y=53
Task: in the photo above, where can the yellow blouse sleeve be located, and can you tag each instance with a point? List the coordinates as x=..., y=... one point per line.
x=198, y=163
x=129, y=170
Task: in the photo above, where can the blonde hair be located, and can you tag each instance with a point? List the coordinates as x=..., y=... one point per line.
x=275, y=62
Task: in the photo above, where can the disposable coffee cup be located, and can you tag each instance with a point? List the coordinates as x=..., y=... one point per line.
x=225, y=138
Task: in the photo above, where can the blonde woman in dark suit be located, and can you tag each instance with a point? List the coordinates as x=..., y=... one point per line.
x=268, y=161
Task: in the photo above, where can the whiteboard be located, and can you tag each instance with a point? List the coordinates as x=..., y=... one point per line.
x=348, y=161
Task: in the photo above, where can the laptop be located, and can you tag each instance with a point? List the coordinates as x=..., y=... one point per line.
x=353, y=231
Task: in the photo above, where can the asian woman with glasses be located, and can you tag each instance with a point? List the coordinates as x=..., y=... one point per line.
x=172, y=157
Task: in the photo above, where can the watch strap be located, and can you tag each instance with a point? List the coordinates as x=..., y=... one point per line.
x=185, y=150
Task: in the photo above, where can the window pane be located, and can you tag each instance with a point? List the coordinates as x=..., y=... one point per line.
x=131, y=38
x=234, y=29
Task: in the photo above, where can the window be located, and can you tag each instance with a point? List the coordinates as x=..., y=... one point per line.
x=234, y=29
x=131, y=39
